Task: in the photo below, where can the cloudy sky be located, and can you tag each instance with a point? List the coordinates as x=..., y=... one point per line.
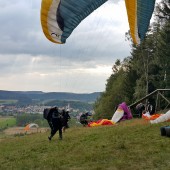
x=28, y=61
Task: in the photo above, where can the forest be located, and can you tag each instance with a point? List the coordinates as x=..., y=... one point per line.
x=146, y=69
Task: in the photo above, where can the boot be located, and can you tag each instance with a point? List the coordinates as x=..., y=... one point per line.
x=49, y=138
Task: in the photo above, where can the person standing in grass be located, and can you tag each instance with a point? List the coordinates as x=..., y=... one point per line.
x=150, y=108
x=84, y=119
x=140, y=108
x=55, y=122
x=65, y=119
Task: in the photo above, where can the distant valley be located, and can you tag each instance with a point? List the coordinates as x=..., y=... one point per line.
x=43, y=98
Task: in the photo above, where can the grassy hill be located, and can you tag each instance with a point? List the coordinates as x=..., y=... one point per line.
x=133, y=144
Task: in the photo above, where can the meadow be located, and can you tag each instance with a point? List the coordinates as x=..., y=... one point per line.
x=8, y=101
x=133, y=144
x=7, y=122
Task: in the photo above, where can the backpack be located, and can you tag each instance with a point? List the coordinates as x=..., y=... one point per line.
x=83, y=118
x=56, y=115
x=46, y=112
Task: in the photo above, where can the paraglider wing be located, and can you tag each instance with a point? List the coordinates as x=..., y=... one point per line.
x=162, y=118
x=122, y=113
x=60, y=17
x=139, y=14
x=100, y=123
x=117, y=115
x=31, y=125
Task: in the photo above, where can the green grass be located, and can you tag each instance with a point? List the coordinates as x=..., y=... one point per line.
x=8, y=101
x=131, y=145
x=7, y=122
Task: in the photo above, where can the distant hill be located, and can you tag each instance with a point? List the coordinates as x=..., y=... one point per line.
x=26, y=97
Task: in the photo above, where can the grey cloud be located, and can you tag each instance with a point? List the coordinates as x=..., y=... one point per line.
x=22, y=33
x=25, y=53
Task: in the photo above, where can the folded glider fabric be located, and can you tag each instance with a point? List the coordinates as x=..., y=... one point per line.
x=163, y=118
x=151, y=117
x=101, y=122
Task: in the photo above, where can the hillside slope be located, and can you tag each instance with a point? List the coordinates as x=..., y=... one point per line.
x=133, y=144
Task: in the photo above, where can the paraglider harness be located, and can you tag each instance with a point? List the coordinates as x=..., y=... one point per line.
x=65, y=118
x=49, y=113
x=84, y=119
x=46, y=112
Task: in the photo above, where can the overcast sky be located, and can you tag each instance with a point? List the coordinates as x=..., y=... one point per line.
x=28, y=61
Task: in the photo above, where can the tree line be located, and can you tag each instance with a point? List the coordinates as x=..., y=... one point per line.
x=145, y=70
x=25, y=118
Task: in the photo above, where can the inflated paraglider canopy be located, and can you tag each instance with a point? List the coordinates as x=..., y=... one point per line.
x=31, y=125
x=60, y=17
